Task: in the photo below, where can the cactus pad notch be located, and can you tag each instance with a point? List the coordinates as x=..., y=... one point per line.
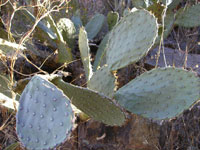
x=160, y=93
x=131, y=39
x=45, y=117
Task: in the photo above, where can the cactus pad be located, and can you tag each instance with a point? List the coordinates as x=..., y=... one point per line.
x=94, y=26
x=45, y=117
x=100, y=58
x=68, y=31
x=160, y=93
x=95, y=105
x=139, y=3
x=85, y=52
x=131, y=39
x=188, y=17
x=102, y=81
x=76, y=19
x=112, y=19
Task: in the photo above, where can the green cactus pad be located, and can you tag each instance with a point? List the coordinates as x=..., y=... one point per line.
x=94, y=104
x=188, y=17
x=64, y=52
x=43, y=33
x=112, y=19
x=94, y=26
x=100, y=58
x=41, y=26
x=68, y=31
x=139, y=3
x=102, y=81
x=85, y=52
x=76, y=19
x=45, y=117
x=160, y=93
x=131, y=39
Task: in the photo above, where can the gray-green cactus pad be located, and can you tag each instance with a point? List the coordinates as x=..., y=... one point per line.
x=76, y=19
x=139, y=3
x=102, y=81
x=189, y=17
x=45, y=117
x=160, y=93
x=68, y=31
x=131, y=39
x=94, y=104
x=100, y=58
x=94, y=26
x=85, y=52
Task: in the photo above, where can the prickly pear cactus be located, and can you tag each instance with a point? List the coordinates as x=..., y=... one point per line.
x=100, y=58
x=85, y=52
x=43, y=29
x=112, y=19
x=45, y=117
x=76, y=19
x=139, y=3
x=188, y=17
x=160, y=93
x=68, y=31
x=131, y=39
x=94, y=104
x=102, y=81
x=64, y=52
x=94, y=26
